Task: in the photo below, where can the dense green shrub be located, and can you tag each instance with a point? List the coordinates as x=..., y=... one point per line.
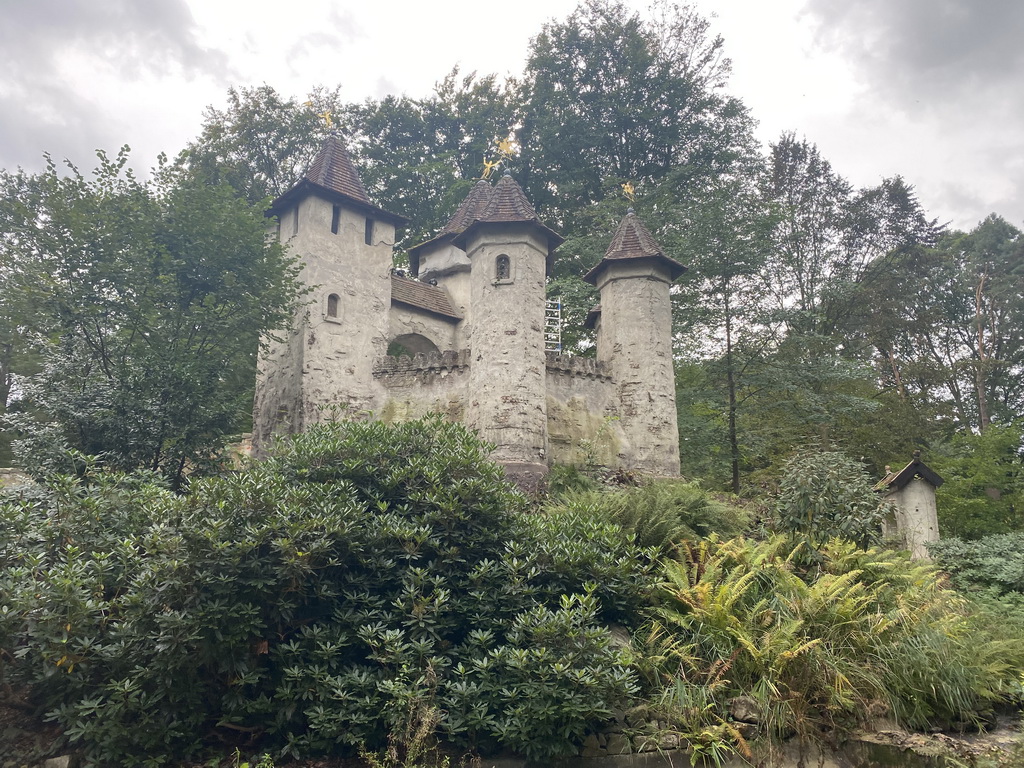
x=657, y=514
x=990, y=571
x=865, y=632
x=825, y=495
x=313, y=602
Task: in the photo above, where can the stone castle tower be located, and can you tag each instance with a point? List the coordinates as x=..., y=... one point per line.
x=464, y=335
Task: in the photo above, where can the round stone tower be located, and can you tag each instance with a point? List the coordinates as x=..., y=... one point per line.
x=509, y=251
x=635, y=341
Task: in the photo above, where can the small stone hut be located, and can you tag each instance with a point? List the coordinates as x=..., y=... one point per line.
x=915, y=520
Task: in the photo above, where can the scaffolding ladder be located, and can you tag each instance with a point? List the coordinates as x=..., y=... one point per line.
x=553, y=325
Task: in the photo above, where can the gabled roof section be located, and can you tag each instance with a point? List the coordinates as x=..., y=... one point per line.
x=897, y=481
x=333, y=175
x=633, y=241
x=508, y=205
x=423, y=296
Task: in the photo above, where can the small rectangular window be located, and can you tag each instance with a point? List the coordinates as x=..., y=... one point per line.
x=335, y=219
x=295, y=222
x=369, y=232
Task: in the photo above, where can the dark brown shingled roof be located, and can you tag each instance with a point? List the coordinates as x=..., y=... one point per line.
x=333, y=175
x=470, y=210
x=467, y=213
x=508, y=204
x=632, y=240
x=422, y=296
x=332, y=169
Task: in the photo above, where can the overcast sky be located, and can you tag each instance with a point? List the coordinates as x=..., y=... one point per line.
x=932, y=90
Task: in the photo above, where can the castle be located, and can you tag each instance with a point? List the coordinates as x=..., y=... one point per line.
x=465, y=335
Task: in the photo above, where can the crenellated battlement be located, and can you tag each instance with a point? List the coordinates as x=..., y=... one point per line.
x=426, y=362
x=581, y=367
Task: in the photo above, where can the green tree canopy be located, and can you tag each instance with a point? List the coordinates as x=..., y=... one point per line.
x=149, y=302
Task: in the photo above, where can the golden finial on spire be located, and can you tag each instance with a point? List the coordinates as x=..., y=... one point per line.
x=488, y=167
x=326, y=117
x=629, y=191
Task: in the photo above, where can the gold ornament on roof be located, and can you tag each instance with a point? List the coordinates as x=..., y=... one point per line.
x=488, y=167
x=506, y=147
x=629, y=191
x=326, y=116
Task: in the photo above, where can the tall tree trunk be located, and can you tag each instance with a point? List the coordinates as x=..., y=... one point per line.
x=730, y=378
x=980, y=378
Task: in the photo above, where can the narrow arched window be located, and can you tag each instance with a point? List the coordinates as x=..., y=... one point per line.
x=502, y=268
x=332, y=305
x=335, y=219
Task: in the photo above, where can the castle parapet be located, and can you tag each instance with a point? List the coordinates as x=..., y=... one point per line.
x=579, y=367
x=425, y=362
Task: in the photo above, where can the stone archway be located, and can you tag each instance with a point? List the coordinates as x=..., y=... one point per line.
x=409, y=344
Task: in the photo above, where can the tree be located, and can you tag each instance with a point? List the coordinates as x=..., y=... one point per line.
x=261, y=143
x=151, y=298
x=419, y=157
x=613, y=96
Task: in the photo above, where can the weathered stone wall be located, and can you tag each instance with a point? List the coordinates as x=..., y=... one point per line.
x=328, y=361
x=583, y=424
x=441, y=331
x=917, y=521
x=434, y=383
x=636, y=343
x=507, y=402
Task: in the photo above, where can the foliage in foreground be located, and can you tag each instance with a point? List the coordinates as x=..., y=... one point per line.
x=825, y=495
x=309, y=604
x=869, y=633
x=990, y=571
x=658, y=514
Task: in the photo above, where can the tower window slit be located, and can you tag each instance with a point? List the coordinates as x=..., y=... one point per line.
x=335, y=219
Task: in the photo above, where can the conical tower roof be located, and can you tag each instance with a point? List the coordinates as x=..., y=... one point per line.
x=332, y=169
x=632, y=241
x=505, y=202
x=333, y=175
x=470, y=210
x=508, y=205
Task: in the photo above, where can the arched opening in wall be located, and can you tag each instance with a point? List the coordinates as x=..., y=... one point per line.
x=332, y=305
x=409, y=344
x=503, y=268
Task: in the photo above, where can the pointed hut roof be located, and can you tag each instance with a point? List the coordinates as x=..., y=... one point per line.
x=633, y=241
x=333, y=175
x=896, y=481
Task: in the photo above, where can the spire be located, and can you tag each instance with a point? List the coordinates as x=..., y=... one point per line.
x=332, y=169
x=508, y=203
x=633, y=241
x=474, y=204
x=333, y=175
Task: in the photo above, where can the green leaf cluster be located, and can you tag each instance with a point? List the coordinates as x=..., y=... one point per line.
x=146, y=302
x=866, y=633
x=825, y=495
x=659, y=514
x=312, y=602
